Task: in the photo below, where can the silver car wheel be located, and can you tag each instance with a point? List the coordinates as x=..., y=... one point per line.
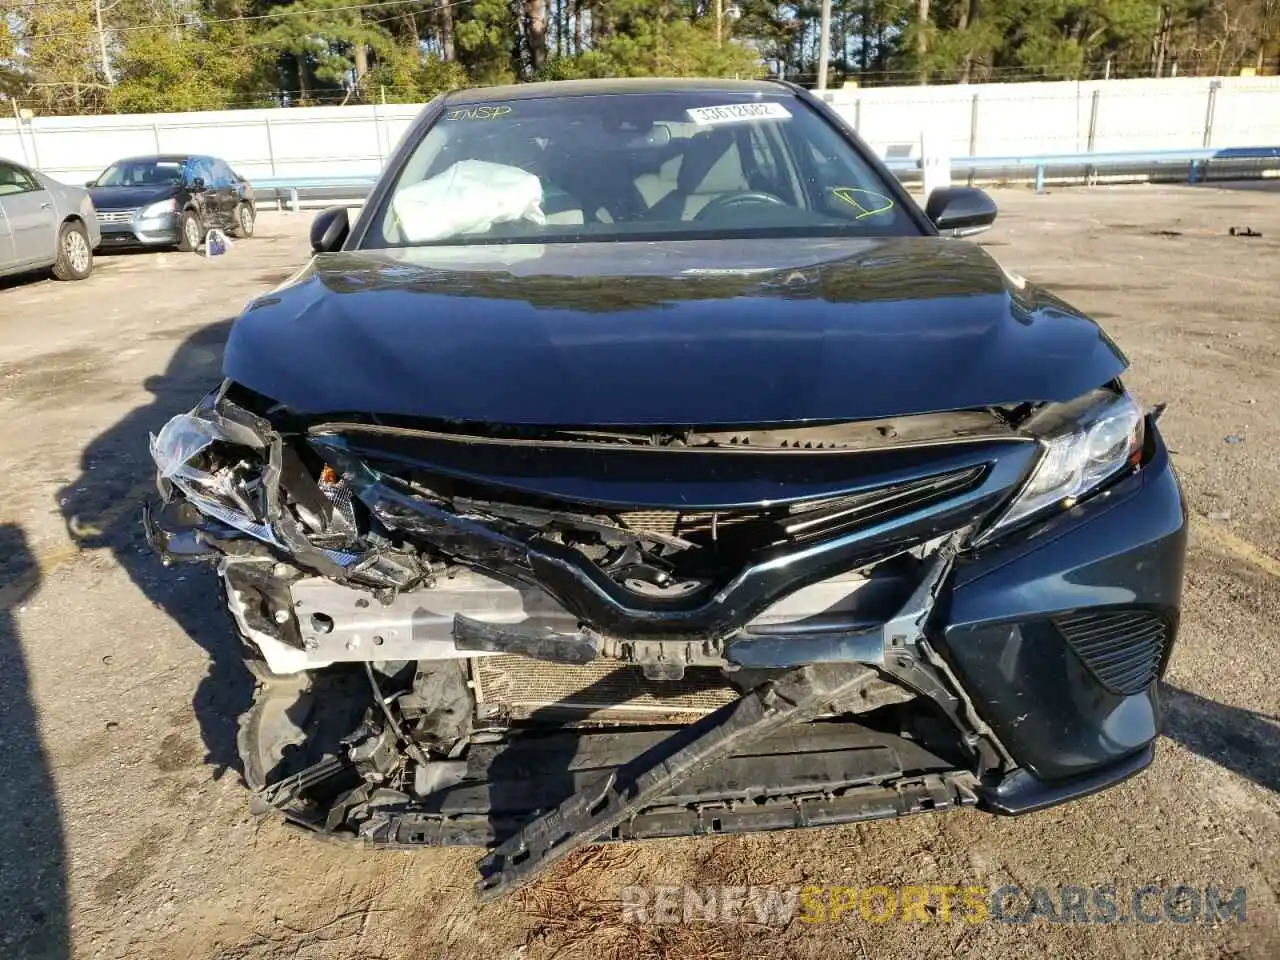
x=246, y=219
x=77, y=250
x=191, y=228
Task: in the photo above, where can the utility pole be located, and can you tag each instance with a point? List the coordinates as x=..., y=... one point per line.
x=824, y=44
x=102, y=44
x=17, y=128
x=719, y=22
x=922, y=40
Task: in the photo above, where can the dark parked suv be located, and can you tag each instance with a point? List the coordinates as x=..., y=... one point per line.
x=170, y=200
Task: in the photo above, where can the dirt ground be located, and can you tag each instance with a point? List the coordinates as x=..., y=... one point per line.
x=127, y=832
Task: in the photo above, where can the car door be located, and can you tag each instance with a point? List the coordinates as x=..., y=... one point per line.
x=228, y=196
x=30, y=215
x=215, y=193
x=205, y=196
x=8, y=255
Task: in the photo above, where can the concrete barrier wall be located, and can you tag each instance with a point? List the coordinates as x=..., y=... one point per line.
x=301, y=142
x=996, y=120
x=965, y=120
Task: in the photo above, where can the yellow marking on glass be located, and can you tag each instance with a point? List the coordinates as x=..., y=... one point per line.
x=870, y=204
x=484, y=111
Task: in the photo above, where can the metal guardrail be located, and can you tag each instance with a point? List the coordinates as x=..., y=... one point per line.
x=1197, y=162
x=294, y=185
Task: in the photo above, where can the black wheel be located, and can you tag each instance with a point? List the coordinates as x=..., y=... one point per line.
x=191, y=232
x=244, y=221
x=75, y=256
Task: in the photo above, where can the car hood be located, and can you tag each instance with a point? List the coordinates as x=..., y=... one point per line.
x=122, y=198
x=675, y=333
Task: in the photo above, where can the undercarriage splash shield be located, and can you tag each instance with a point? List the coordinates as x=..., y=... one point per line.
x=603, y=689
x=603, y=805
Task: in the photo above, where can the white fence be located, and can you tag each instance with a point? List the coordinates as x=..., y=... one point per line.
x=297, y=142
x=965, y=120
x=1027, y=119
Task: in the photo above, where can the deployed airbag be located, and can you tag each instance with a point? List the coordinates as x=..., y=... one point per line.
x=469, y=197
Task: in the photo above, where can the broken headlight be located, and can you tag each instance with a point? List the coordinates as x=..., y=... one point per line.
x=1086, y=443
x=210, y=463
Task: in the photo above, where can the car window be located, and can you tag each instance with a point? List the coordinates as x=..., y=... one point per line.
x=692, y=164
x=14, y=179
x=766, y=163
x=202, y=168
x=142, y=173
x=844, y=188
x=222, y=175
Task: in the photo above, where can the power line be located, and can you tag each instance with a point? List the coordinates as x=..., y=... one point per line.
x=35, y=4
x=260, y=16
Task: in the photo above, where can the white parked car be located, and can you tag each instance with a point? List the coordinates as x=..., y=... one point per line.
x=44, y=223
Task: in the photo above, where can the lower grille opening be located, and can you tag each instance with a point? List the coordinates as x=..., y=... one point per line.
x=605, y=690
x=1123, y=649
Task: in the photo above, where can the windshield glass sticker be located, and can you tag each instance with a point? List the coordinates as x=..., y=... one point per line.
x=738, y=112
x=485, y=111
x=867, y=203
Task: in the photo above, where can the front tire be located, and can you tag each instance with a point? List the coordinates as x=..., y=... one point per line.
x=244, y=221
x=75, y=255
x=190, y=232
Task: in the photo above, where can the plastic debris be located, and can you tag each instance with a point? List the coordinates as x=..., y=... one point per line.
x=216, y=243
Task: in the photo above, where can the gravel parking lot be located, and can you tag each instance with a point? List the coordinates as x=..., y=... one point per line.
x=127, y=829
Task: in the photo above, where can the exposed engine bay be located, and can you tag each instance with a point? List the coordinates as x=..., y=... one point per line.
x=534, y=639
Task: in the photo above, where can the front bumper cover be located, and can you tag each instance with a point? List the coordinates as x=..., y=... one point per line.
x=1035, y=728
x=161, y=231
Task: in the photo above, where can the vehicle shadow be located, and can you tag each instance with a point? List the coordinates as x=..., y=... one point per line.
x=125, y=253
x=102, y=511
x=1268, y=185
x=30, y=277
x=1244, y=741
x=33, y=875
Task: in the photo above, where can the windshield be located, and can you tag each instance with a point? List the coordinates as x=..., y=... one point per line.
x=136, y=173
x=634, y=166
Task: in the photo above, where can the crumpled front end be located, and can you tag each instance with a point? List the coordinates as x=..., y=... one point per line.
x=532, y=639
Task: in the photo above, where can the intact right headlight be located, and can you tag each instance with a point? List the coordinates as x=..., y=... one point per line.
x=159, y=208
x=1095, y=438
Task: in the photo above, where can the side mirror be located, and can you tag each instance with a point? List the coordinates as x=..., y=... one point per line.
x=329, y=230
x=197, y=183
x=960, y=211
x=91, y=183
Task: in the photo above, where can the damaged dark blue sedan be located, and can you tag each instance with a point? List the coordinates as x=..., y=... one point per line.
x=642, y=461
